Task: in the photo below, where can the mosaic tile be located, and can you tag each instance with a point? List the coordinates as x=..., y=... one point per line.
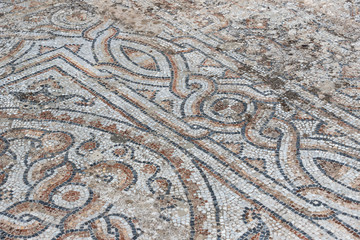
x=162, y=119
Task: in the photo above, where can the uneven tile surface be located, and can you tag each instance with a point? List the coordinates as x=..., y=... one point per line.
x=168, y=119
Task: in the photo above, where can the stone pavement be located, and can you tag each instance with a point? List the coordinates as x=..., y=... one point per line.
x=180, y=119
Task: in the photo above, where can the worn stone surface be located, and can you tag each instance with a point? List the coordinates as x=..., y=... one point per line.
x=164, y=119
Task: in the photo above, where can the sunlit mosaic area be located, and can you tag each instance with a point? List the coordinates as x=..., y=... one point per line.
x=168, y=119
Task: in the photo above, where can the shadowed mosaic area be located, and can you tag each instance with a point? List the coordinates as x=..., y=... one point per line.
x=170, y=119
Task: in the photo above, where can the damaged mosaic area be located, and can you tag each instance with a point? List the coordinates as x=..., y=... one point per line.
x=168, y=119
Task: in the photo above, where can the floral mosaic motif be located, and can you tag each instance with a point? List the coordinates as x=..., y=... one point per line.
x=170, y=126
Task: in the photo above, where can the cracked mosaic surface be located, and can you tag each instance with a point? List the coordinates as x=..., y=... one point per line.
x=170, y=119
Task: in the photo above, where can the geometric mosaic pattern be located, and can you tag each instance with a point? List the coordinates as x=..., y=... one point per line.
x=168, y=120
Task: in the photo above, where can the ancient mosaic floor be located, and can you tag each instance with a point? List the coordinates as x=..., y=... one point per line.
x=168, y=119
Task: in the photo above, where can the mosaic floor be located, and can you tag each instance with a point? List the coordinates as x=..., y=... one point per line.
x=168, y=119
